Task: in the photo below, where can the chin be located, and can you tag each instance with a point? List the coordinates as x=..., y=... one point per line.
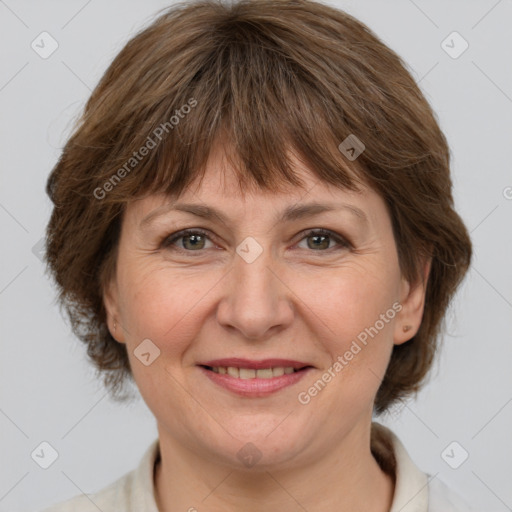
x=260, y=446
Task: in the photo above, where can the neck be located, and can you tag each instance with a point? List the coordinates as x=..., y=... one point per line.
x=345, y=479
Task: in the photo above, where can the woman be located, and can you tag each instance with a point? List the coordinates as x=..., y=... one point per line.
x=254, y=222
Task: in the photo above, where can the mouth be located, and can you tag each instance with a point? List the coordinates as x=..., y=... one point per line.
x=254, y=378
x=251, y=373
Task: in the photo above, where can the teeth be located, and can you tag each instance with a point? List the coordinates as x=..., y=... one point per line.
x=234, y=372
x=277, y=372
x=246, y=373
x=250, y=373
x=266, y=373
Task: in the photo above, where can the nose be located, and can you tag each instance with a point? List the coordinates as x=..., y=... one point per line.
x=256, y=301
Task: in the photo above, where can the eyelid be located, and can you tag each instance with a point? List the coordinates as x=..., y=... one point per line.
x=173, y=237
x=342, y=241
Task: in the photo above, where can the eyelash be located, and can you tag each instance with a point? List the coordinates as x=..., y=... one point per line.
x=171, y=239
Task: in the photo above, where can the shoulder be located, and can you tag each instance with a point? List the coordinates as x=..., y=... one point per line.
x=415, y=491
x=106, y=499
x=443, y=499
x=134, y=491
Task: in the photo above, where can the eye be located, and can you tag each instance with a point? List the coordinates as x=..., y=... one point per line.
x=189, y=240
x=194, y=240
x=321, y=239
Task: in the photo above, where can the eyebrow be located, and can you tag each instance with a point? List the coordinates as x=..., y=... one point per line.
x=291, y=213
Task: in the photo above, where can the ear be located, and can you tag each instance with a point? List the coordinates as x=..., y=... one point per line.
x=111, y=302
x=412, y=299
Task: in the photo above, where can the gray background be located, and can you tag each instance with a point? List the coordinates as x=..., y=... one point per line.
x=48, y=391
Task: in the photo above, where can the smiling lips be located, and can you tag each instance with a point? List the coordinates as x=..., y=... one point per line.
x=254, y=378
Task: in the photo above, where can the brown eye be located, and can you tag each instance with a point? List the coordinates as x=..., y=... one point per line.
x=188, y=240
x=322, y=240
x=318, y=241
x=193, y=241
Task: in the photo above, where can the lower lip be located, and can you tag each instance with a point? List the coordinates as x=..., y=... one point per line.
x=255, y=387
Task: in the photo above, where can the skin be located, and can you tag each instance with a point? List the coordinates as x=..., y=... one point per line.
x=296, y=302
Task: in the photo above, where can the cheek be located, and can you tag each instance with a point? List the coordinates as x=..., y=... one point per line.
x=166, y=307
x=349, y=299
x=164, y=304
x=352, y=311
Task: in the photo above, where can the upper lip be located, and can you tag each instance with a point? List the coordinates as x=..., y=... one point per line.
x=237, y=362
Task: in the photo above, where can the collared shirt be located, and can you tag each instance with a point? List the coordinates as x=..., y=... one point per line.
x=415, y=491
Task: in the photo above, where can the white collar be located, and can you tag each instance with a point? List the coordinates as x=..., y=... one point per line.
x=411, y=484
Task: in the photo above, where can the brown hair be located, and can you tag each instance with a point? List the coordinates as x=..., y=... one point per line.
x=269, y=77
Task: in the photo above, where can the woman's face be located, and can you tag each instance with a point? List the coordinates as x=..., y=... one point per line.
x=255, y=284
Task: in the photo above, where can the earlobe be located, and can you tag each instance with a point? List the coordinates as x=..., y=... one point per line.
x=413, y=302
